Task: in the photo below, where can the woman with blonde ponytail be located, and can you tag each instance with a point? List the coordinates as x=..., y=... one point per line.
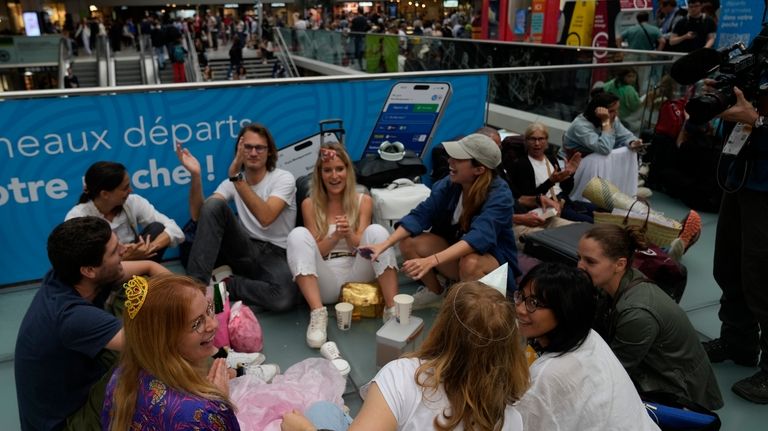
x=469, y=219
x=164, y=380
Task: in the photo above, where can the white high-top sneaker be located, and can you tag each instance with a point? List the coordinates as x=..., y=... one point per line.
x=317, y=329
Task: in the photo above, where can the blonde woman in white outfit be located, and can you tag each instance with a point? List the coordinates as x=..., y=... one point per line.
x=323, y=255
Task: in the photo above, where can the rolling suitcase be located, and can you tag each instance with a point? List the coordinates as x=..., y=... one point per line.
x=556, y=245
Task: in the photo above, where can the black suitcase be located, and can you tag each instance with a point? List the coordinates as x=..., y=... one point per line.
x=556, y=245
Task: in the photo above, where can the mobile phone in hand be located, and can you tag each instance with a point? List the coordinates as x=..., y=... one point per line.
x=365, y=252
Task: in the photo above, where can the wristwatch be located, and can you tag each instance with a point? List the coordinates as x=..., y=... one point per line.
x=760, y=122
x=238, y=177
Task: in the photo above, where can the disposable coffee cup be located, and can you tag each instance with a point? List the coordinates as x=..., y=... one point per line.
x=403, y=307
x=344, y=315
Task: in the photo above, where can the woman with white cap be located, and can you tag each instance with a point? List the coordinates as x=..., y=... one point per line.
x=469, y=219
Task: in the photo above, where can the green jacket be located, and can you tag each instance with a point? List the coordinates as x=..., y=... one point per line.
x=658, y=346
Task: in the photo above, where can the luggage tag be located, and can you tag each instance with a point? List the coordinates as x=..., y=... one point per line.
x=737, y=139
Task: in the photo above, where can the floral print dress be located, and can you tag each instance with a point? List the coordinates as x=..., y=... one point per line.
x=160, y=407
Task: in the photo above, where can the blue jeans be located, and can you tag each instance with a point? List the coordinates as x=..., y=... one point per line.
x=325, y=415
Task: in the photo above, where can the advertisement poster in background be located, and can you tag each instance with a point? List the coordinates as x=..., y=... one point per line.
x=381, y=53
x=740, y=21
x=603, y=35
x=579, y=17
x=538, y=7
x=551, y=19
x=600, y=39
x=47, y=144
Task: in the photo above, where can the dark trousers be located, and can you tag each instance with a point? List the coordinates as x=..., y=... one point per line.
x=741, y=270
x=262, y=277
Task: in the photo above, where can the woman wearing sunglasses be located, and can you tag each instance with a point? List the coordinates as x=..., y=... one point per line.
x=163, y=380
x=576, y=382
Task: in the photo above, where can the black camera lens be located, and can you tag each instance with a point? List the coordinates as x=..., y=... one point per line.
x=707, y=106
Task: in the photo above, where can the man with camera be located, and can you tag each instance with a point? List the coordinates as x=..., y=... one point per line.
x=741, y=252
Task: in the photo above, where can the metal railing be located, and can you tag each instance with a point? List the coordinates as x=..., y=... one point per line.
x=63, y=60
x=193, y=65
x=283, y=54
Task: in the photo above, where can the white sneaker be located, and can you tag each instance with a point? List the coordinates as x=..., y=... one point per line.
x=318, y=327
x=389, y=313
x=330, y=351
x=425, y=298
x=237, y=359
x=265, y=372
x=342, y=365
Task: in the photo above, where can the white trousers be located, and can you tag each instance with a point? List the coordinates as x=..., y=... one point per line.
x=620, y=167
x=304, y=259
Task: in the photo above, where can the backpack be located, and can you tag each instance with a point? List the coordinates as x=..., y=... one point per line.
x=179, y=53
x=671, y=117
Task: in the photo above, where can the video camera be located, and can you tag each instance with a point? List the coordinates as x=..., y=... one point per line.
x=737, y=65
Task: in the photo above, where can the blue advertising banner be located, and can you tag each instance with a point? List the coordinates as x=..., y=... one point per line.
x=47, y=144
x=740, y=21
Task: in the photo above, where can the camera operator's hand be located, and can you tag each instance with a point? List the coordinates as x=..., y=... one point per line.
x=742, y=111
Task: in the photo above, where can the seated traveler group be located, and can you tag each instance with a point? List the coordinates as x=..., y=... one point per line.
x=471, y=371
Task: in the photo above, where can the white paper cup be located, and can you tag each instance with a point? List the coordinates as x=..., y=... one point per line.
x=403, y=307
x=344, y=315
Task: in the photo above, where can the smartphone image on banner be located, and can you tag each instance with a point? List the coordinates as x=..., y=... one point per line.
x=299, y=158
x=410, y=115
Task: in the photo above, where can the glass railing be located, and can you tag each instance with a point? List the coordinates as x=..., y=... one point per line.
x=386, y=53
x=549, y=80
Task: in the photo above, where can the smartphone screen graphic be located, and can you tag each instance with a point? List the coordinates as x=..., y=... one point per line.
x=410, y=115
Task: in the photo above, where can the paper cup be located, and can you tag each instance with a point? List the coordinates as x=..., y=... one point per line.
x=344, y=315
x=403, y=307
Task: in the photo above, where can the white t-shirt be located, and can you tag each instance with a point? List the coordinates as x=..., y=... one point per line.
x=277, y=183
x=541, y=174
x=407, y=403
x=141, y=212
x=586, y=389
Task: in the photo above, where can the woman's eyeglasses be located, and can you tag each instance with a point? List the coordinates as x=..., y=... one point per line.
x=532, y=303
x=260, y=149
x=199, y=324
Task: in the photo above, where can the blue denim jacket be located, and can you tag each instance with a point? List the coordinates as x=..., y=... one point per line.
x=490, y=230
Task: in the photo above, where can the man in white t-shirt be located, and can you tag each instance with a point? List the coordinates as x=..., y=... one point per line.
x=251, y=242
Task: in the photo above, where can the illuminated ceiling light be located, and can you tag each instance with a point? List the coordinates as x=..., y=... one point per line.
x=423, y=5
x=93, y=8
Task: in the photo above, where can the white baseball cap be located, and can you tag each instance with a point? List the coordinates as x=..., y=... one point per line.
x=475, y=146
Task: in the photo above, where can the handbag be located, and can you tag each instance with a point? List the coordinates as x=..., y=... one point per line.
x=245, y=333
x=658, y=233
x=373, y=171
x=665, y=272
x=365, y=297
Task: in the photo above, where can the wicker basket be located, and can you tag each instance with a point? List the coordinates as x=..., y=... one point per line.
x=655, y=233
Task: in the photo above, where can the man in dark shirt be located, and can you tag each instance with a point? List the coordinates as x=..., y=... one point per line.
x=63, y=348
x=358, y=26
x=695, y=31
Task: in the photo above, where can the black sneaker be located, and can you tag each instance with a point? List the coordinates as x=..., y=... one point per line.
x=718, y=351
x=753, y=388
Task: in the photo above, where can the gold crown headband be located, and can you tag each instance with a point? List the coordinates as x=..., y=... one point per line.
x=136, y=292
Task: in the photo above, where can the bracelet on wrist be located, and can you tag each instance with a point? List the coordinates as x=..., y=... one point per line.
x=436, y=259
